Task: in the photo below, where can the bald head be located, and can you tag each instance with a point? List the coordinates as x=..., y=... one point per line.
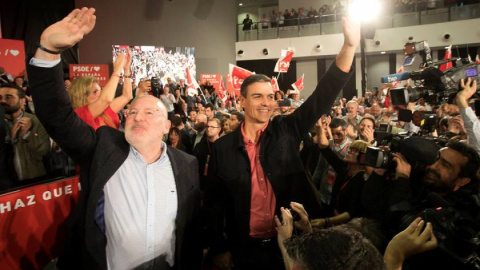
x=157, y=103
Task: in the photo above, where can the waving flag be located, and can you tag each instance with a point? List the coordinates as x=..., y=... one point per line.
x=222, y=92
x=477, y=59
x=395, y=84
x=298, y=85
x=283, y=62
x=275, y=86
x=237, y=75
x=448, y=55
x=192, y=84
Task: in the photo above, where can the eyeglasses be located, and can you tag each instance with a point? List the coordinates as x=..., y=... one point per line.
x=148, y=113
x=212, y=127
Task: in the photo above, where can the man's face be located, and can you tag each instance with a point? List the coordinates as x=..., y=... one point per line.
x=146, y=122
x=352, y=109
x=19, y=81
x=375, y=110
x=365, y=124
x=338, y=135
x=209, y=112
x=200, y=122
x=193, y=115
x=213, y=129
x=184, y=106
x=233, y=122
x=10, y=101
x=259, y=103
x=443, y=175
x=166, y=90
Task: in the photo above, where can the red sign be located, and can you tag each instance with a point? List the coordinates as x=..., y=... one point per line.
x=32, y=223
x=229, y=85
x=298, y=85
x=237, y=75
x=284, y=62
x=82, y=70
x=275, y=86
x=12, y=56
x=214, y=79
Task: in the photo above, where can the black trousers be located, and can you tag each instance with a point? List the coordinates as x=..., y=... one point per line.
x=259, y=254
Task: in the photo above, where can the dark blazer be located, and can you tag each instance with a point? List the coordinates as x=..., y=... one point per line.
x=86, y=245
x=228, y=190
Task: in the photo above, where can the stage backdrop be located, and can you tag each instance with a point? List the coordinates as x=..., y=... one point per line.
x=32, y=223
x=161, y=62
x=12, y=56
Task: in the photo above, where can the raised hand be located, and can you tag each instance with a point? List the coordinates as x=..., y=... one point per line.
x=469, y=88
x=304, y=223
x=69, y=31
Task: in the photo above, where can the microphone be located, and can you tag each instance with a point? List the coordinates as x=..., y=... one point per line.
x=395, y=77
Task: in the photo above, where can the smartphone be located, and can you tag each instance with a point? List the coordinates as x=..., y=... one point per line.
x=284, y=103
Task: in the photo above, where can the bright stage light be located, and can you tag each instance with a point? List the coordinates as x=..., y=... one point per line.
x=364, y=10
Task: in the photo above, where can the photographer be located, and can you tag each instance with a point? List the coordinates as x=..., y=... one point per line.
x=449, y=185
x=471, y=122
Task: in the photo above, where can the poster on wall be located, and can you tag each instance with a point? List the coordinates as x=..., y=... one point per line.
x=12, y=52
x=214, y=79
x=152, y=61
x=82, y=70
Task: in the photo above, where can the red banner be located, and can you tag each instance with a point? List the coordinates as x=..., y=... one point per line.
x=283, y=62
x=275, y=86
x=237, y=75
x=298, y=85
x=229, y=85
x=32, y=223
x=214, y=79
x=98, y=71
x=12, y=56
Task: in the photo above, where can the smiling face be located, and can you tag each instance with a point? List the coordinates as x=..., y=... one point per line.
x=146, y=122
x=443, y=175
x=258, y=103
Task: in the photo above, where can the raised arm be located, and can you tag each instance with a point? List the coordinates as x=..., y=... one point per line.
x=471, y=122
x=52, y=104
x=120, y=102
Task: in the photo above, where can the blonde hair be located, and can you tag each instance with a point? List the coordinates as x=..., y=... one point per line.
x=360, y=145
x=79, y=90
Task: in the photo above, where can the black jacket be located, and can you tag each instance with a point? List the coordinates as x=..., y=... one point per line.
x=100, y=153
x=228, y=190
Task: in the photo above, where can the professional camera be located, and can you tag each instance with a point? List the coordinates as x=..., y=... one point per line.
x=433, y=85
x=458, y=237
x=156, y=86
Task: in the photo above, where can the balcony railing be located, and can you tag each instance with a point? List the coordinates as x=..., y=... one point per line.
x=332, y=24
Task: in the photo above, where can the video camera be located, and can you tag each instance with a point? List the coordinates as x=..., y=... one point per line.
x=433, y=85
x=156, y=86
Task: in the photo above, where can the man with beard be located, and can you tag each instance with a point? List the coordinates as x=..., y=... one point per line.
x=449, y=185
x=199, y=127
x=27, y=142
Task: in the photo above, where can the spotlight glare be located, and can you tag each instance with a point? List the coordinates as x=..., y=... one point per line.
x=240, y=4
x=383, y=52
x=364, y=10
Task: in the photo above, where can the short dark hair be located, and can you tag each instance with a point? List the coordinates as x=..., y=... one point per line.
x=338, y=122
x=210, y=105
x=240, y=116
x=337, y=248
x=176, y=121
x=368, y=118
x=251, y=80
x=20, y=92
x=469, y=169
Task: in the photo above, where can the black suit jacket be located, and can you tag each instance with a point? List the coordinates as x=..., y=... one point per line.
x=99, y=155
x=228, y=190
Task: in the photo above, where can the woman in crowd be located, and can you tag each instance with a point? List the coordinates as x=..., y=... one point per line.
x=174, y=139
x=279, y=95
x=100, y=108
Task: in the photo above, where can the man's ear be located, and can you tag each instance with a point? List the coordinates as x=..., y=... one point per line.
x=461, y=182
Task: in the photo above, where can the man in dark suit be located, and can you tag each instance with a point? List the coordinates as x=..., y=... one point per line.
x=256, y=169
x=139, y=200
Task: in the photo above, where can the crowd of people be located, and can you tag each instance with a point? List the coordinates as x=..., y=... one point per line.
x=263, y=180
x=335, y=11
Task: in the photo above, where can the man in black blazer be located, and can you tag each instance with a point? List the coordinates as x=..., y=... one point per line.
x=256, y=169
x=125, y=217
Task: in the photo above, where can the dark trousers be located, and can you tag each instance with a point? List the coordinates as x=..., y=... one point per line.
x=259, y=254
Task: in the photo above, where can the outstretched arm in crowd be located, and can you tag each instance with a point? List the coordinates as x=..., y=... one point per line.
x=284, y=231
x=108, y=92
x=471, y=122
x=120, y=102
x=409, y=242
